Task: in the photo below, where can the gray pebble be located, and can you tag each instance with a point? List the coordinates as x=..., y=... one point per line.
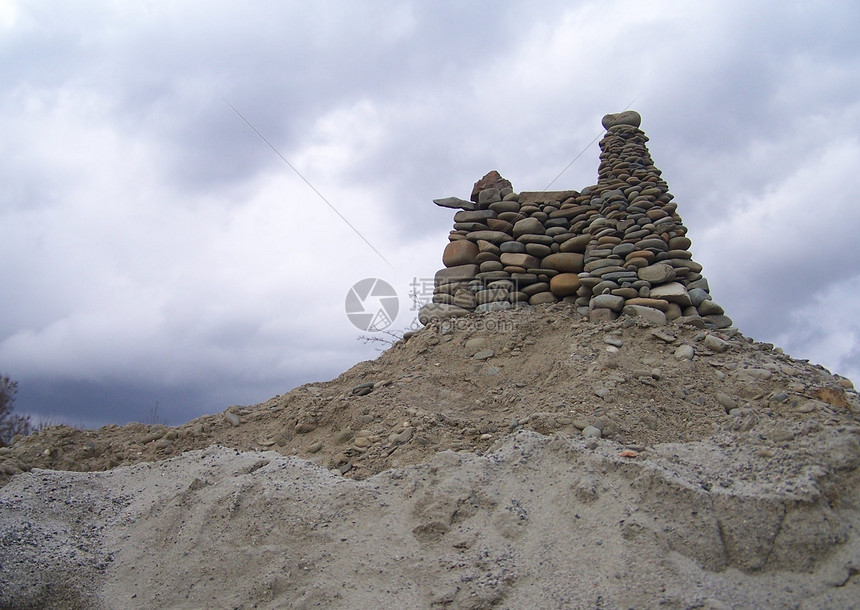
x=685, y=352
x=716, y=344
x=591, y=432
x=232, y=418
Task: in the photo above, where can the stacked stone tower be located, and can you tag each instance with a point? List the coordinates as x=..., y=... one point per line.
x=617, y=247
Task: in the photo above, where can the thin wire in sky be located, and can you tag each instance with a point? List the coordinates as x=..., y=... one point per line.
x=299, y=174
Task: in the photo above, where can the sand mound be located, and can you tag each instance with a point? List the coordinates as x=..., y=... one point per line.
x=524, y=459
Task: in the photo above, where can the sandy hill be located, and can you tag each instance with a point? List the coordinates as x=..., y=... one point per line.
x=525, y=458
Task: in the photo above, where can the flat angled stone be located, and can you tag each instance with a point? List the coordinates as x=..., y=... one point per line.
x=455, y=203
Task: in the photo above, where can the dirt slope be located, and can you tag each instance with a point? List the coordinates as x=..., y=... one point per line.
x=550, y=371
x=516, y=459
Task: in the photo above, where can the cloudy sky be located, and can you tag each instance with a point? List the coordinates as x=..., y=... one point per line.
x=156, y=251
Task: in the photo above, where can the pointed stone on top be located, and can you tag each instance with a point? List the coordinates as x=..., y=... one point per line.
x=493, y=180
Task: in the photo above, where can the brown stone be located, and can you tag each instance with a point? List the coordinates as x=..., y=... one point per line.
x=635, y=262
x=564, y=262
x=647, y=255
x=461, y=252
x=576, y=244
x=564, y=284
x=542, y=298
x=680, y=243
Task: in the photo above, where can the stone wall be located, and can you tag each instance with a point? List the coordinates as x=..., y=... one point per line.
x=615, y=248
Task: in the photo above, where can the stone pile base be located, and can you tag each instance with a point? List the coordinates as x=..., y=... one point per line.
x=617, y=247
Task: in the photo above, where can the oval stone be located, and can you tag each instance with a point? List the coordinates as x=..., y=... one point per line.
x=538, y=250
x=513, y=246
x=531, y=238
x=564, y=262
x=491, y=266
x=564, y=284
x=528, y=226
x=501, y=207
x=653, y=243
x=543, y=298
x=680, y=243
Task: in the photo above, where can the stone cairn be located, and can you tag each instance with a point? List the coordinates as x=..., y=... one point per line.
x=617, y=247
